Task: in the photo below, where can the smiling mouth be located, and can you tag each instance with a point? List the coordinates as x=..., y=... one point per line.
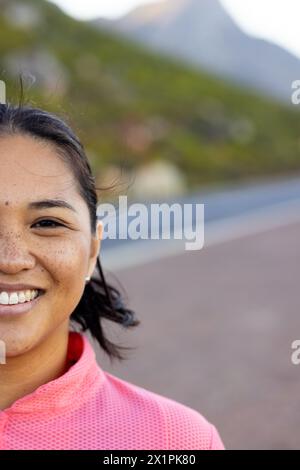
x=39, y=293
x=22, y=307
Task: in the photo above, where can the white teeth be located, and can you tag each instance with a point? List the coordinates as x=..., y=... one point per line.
x=17, y=297
x=22, y=297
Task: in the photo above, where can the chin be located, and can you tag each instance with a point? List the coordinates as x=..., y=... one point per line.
x=16, y=341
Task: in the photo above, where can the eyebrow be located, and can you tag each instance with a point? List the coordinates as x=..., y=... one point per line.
x=50, y=203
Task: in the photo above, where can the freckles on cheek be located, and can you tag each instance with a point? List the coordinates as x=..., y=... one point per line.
x=68, y=263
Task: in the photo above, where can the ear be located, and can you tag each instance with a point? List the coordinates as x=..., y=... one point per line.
x=99, y=231
x=95, y=247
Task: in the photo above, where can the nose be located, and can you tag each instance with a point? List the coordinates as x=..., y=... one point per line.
x=14, y=253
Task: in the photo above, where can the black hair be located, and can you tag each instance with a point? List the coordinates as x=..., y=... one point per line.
x=99, y=299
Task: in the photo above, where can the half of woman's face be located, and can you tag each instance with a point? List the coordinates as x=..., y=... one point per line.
x=50, y=248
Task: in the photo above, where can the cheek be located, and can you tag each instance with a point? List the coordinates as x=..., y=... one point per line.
x=66, y=264
x=64, y=258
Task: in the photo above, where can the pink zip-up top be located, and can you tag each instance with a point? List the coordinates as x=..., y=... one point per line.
x=88, y=408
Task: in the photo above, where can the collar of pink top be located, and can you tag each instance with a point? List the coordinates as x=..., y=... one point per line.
x=82, y=378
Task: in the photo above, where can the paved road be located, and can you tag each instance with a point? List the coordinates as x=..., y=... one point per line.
x=216, y=334
x=248, y=205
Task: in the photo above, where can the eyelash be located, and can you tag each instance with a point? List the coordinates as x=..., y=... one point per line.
x=49, y=220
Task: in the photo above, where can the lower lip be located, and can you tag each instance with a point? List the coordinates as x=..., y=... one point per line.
x=16, y=309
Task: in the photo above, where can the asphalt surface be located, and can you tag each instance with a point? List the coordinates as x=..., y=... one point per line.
x=216, y=331
x=224, y=208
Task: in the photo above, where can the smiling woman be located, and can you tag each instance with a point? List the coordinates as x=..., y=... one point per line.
x=50, y=234
x=53, y=394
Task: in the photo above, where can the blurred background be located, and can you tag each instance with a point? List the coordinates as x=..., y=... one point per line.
x=188, y=101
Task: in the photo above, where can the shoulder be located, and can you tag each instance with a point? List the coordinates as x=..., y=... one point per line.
x=186, y=427
x=181, y=426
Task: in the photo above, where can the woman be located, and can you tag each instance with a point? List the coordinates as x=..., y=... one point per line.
x=53, y=394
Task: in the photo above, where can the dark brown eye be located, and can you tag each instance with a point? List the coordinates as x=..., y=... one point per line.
x=56, y=224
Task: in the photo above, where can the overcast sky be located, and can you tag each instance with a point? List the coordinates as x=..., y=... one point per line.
x=276, y=20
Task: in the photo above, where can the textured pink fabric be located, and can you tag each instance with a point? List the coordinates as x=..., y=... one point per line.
x=88, y=408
